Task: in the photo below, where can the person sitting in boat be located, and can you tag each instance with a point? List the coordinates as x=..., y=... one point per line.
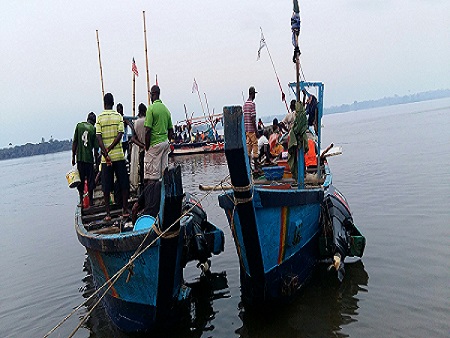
x=84, y=143
x=276, y=148
x=148, y=202
x=178, y=137
x=311, y=154
x=260, y=125
x=263, y=146
x=109, y=129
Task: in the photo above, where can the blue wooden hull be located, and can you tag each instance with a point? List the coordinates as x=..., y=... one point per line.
x=275, y=228
x=144, y=302
x=151, y=295
x=278, y=253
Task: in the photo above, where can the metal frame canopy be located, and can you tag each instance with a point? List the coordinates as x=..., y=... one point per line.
x=319, y=85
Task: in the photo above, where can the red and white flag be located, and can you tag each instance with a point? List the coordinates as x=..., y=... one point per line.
x=134, y=68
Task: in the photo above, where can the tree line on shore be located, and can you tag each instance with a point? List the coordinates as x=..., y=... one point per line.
x=31, y=149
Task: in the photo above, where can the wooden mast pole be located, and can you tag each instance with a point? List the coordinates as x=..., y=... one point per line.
x=146, y=60
x=100, y=63
x=300, y=152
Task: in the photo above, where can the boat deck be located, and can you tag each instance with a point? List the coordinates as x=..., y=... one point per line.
x=93, y=221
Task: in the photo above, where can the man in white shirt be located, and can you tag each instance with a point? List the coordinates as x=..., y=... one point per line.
x=263, y=146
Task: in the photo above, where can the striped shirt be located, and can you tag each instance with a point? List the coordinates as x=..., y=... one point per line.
x=250, y=116
x=109, y=124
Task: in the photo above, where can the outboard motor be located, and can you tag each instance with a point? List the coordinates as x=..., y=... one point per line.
x=195, y=222
x=338, y=226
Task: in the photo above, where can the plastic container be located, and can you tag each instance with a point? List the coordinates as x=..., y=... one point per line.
x=273, y=173
x=144, y=222
x=73, y=178
x=287, y=169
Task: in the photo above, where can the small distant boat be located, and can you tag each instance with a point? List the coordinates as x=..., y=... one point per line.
x=152, y=294
x=196, y=148
x=202, y=136
x=282, y=229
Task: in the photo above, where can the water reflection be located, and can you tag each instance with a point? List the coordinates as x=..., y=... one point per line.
x=204, y=291
x=322, y=310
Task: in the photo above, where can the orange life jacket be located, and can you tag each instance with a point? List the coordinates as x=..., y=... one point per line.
x=311, y=156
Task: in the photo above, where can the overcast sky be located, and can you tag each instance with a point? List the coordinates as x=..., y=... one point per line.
x=361, y=50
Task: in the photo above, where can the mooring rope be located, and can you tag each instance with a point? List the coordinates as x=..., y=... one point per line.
x=116, y=276
x=166, y=235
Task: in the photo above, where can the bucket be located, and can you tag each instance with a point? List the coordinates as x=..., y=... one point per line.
x=73, y=178
x=144, y=222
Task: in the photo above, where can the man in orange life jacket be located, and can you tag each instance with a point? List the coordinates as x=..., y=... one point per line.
x=311, y=154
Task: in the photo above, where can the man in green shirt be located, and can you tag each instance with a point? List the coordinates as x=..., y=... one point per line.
x=84, y=142
x=158, y=131
x=109, y=134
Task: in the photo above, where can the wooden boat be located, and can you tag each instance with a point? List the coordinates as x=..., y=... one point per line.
x=212, y=142
x=196, y=148
x=279, y=225
x=151, y=294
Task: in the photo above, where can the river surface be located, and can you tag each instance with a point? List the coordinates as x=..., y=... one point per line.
x=395, y=174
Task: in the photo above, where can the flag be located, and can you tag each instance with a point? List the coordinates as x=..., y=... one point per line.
x=194, y=86
x=262, y=44
x=134, y=68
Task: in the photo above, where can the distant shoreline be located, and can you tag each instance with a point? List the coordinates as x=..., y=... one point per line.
x=55, y=146
x=384, y=102
x=32, y=149
x=389, y=101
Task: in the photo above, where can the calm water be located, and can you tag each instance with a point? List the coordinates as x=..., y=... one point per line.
x=395, y=174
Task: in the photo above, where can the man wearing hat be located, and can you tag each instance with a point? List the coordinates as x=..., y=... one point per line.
x=250, y=127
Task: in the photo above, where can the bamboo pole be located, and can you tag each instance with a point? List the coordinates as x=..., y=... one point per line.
x=146, y=59
x=100, y=63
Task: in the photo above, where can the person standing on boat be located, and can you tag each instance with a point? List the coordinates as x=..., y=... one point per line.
x=126, y=126
x=158, y=131
x=139, y=139
x=110, y=130
x=85, y=148
x=288, y=121
x=312, y=111
x=249, y=110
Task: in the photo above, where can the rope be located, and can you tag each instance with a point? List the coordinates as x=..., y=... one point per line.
x=283, y=97
x=242, y=189
x=167, y=235
x=116, y=276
